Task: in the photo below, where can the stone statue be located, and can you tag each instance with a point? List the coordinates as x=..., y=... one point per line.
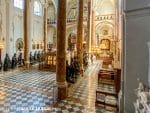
x=35, y=56
x=14, y=61
x=38, y=56
x=20, y=60
x=140, y=87
x=6, y=62
x=31, y=58
x=143, y=100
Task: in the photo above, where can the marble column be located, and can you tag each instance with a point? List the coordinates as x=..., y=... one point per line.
x=80, y=36
x=61, y=50
x=26, y=32
x=9, y=27
x=93, y=28
x=45, y=29
x=88, y=40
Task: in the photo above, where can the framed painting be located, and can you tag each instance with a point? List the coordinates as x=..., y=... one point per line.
x=106, y=43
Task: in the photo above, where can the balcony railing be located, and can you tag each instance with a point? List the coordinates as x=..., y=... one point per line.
x=69, y=20
x=73, y=20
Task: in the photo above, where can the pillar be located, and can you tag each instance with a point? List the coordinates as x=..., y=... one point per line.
x=26, y=32
x=61, y=50
x=45, y=29
x=80, y=36
x=88, y=40
x=93, y=28
x=9, y=28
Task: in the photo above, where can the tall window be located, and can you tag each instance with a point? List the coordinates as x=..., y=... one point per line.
x=37, y=8
x=18, y=4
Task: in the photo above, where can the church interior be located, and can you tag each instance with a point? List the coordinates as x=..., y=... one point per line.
x=74, y=56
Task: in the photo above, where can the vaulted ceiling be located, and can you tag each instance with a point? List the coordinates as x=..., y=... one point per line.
x=101, y=7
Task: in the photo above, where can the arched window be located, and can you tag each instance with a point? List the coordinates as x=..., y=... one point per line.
x=37, y=8
x=18, y=4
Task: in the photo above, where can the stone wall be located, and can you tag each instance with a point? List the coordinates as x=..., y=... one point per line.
x=136, y=36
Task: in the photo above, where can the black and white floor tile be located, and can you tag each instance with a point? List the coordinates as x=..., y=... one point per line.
x=33, y=92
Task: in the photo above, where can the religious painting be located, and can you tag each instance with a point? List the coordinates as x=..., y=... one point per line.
x=106, y=44
x=19, y=44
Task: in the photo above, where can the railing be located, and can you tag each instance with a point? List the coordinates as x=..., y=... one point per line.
x=51, y=21
x=69, y=20
x=73, y=20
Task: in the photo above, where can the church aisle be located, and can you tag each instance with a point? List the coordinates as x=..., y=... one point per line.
x=82, y=99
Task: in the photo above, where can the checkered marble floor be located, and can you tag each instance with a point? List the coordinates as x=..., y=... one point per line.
x=23, y=92
x=35, y=79
x=74, y=106
x=86, y=89
x=32, y=92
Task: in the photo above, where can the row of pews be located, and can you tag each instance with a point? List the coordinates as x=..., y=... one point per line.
x=108, y=89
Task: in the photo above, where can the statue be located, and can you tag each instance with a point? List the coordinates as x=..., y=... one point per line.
x=143, y=100
x=140, y=87
x=38, y=56
x=6, y=62
x=20, y=60
x=14, y=61
x=31, y=58
x=35, y=56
